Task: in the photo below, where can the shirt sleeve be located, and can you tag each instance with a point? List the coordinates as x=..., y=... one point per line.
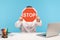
x=18, y=24
x=39, y=23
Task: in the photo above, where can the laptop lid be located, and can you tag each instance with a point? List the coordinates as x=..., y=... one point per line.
x=53, y=29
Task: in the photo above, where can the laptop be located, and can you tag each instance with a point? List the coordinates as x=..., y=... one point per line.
x=52, y=30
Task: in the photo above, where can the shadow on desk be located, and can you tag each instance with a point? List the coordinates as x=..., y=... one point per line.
x=44, y=35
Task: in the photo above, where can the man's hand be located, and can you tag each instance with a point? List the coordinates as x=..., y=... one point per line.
x=38, y=19
x=21, y=19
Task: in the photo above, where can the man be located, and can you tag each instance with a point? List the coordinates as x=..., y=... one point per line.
x=29, y=20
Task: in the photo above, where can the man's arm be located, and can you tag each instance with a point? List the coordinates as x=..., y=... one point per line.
x=38, y=21
x=19, y=22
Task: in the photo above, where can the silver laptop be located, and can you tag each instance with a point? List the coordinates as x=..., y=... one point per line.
x=52, y=30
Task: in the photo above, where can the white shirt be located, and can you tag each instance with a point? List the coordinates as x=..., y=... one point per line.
x=29, y=24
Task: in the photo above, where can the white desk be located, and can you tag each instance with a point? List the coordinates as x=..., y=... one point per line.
x=28, y=36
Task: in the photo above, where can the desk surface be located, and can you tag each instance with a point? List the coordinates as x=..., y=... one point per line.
x=28, y=36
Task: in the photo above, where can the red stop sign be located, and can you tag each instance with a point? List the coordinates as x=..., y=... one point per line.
x=29, y=14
